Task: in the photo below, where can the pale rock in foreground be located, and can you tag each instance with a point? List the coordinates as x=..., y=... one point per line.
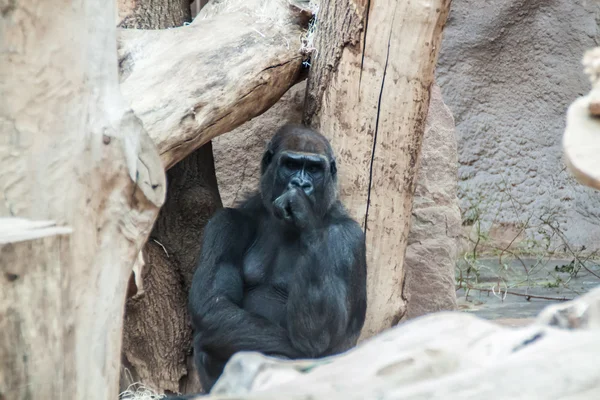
x=439, y=355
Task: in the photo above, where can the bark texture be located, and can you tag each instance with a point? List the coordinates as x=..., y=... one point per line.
x=82, y=184
x=157, y=333
x=153, y=14
x=369, y=93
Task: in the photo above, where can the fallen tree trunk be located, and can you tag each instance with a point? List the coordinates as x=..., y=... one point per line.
x=82, y=184
x=368, y=91
x=193, y=83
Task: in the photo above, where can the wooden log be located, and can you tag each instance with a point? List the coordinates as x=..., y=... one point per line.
x=192, y=83
x=81, y=187
x=157, y=333
x=368, y=91
x=581, y=139
x=440, y=356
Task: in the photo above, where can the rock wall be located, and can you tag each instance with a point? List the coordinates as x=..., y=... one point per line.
x=436, y=224
x=508, y=70
x=432, y=249
x=238, y=153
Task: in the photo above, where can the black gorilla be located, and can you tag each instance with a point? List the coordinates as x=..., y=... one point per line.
x=285, y=273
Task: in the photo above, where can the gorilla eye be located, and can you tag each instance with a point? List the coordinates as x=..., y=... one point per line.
x=289, y=164
x=313, y=169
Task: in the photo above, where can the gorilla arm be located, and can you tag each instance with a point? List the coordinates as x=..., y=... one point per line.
x=327, y=298
x=217, y=291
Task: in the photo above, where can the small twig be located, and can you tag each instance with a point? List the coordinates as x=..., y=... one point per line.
x=163, y=247
x=525, y=225
x=528, y=296
x=568, y=247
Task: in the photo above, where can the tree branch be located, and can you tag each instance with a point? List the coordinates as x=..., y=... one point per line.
x=193, y=83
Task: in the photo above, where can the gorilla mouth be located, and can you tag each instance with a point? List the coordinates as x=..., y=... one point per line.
x=283, y=208
x=288, y=211
x=291, y=205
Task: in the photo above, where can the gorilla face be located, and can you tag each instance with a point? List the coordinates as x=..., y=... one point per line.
x=306, y=172
x=299, y=163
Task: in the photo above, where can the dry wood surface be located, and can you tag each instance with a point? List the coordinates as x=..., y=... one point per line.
x=368, y=91
x=192, y=83
x=81, y=187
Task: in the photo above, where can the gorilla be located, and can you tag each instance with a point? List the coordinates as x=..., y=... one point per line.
x=284, y=274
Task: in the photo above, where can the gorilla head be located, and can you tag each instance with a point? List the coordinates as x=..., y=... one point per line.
x=298, y=171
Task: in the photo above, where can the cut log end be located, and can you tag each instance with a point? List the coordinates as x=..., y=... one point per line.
x=581, y=143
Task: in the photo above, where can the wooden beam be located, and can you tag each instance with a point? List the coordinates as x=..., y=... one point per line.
x=193, y=83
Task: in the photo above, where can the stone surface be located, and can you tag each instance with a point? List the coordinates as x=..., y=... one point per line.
x=436, y=223
x=508, y=70
x=238, y=153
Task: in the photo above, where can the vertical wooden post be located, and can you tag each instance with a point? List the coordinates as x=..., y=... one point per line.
x=368, y=91
x=81, y=186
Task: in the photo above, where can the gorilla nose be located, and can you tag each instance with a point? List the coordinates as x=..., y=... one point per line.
x=305, y=185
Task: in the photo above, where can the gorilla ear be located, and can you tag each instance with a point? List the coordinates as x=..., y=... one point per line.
x=333, y=168
x=266, y=160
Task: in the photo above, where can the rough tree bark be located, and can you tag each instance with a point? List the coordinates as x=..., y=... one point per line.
x=157, y=334
x=368, y=91
x=81, y=184
x=153, y=14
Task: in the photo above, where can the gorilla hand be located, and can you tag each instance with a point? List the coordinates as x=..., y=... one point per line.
x=294, y=207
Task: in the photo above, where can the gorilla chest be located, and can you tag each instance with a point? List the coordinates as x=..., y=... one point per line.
x=267, y=272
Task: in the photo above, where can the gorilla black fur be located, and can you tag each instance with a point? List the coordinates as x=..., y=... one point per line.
x=283, y=274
